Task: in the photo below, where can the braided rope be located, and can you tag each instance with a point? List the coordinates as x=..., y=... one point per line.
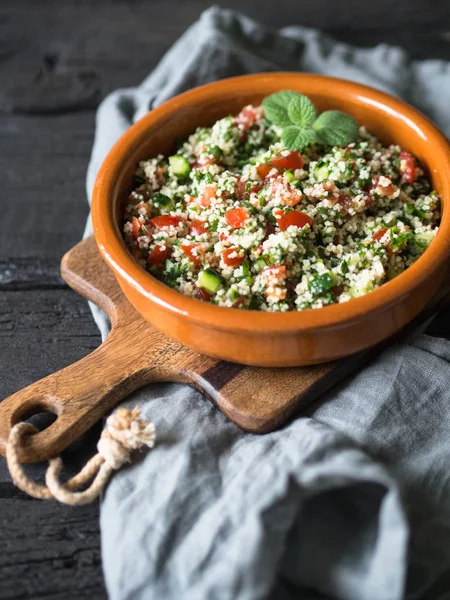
x=124, y=433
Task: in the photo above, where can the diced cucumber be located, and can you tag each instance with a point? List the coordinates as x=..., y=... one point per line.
x=260, y=264
x=321, y=173
x=245, y=268
x=180, y=166
x=209, y=280
x=289, y=175
x=161, y=200
x=234, y=295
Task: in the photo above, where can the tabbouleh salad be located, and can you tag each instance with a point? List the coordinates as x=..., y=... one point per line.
x=237, y=219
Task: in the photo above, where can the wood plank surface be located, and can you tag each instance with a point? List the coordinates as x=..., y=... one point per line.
x=50, y=551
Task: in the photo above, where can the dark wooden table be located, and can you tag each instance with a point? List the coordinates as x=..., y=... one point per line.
x=86, y=49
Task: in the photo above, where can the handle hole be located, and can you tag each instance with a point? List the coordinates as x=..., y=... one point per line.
x=39, y=414
x=41, y=420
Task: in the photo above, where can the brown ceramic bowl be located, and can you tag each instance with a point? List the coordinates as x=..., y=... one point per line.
x=259, y=338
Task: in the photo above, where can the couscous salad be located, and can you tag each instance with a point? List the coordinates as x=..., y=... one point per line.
x=277, y=209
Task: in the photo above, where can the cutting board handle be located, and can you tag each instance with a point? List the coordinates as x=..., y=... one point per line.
x=79, y=395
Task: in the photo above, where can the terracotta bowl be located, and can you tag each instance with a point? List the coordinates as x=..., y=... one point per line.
x=252, y=337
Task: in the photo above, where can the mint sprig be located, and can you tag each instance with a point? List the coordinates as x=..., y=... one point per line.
x=296, y=115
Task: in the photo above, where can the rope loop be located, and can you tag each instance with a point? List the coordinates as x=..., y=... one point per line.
x=125, y=432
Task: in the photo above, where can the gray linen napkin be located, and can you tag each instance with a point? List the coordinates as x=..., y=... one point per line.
x=351, y=502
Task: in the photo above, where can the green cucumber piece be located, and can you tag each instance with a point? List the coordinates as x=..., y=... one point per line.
x=180, y=166
x=321, y=173
x=209, y=280
x=161, y=200
x=289, y=175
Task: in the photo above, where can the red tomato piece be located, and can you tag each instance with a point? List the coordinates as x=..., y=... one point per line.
x=379, y=234
x=236, y=217
x=193, y=252
x=202, y=295
x=241, y=189
x=407, y=166
x=294, y=217
x=158, y=255
x=345, y=201
x=264, y=170
x=246, y=118
x=223, y=236
x=208, y=193
x=138, y=228
x=232, y=261
x=197, y=227
x=239, y=302
x=277, y=271
x=166, y=221
x=337, y=290
x=270, y=228
x=291, y=162
x=205, y=162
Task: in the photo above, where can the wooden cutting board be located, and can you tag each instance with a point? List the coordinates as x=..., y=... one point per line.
x=135, y=354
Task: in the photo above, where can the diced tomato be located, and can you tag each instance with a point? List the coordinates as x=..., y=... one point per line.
x=236, y=217
x=223, y=236
x=276, y=271
x=241, y=188
x=205, y=162
x=294, y=217
x=191, y=199
x=143, y=207
x=264, y=170
x=166, y=221
x=337, y=290
x=345, y=201
x=292, y=196
x=288, y=195
x=208, y=193
x=239, y=302
x=194, y=252
x=269, y=229
x=256, y=187
x=379, y=234
x=138, y=227
x=232, y=261
x=246, y=118
x=407, y=166
x=158, y=255
x=291, y=162
x=197, y=227
x=202, y=295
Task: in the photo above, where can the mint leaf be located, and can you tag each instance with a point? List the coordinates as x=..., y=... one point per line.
x=336, y=128
x=276, y=107
x=301, y=111
x=296, y=138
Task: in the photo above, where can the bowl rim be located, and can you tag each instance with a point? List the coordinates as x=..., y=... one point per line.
x=117, y=256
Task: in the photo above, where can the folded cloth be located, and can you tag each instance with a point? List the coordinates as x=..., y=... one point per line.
x=349, y=502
